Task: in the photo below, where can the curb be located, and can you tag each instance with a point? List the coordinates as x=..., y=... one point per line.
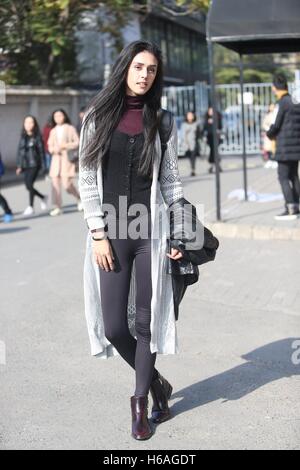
x=253, y=232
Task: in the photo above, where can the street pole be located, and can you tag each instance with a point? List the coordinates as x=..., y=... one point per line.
x=243, y=128
x=215, y=128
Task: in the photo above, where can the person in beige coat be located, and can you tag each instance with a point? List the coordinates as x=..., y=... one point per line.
x=63, y=137
x=269, y=146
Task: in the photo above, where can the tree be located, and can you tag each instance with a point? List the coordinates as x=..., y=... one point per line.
x=38, y=37
x=189, y=6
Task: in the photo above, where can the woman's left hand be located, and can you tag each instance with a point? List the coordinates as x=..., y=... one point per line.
x=175, y=254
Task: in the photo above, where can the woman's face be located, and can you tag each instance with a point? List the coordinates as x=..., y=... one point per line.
x=210, y=112
x=29, y=125
x=190, y=117
x=141, y=74
x=59, y=117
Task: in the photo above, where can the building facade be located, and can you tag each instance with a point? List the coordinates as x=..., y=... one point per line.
x=183, y=44
x=182, y=40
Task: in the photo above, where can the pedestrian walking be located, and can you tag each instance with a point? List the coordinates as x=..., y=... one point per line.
x=128, y=294
x=190, y=136
x=63, y=145
x=30, y=160
x=8, y=215
x=286, y=132
x=269, y=145
x=208, y=131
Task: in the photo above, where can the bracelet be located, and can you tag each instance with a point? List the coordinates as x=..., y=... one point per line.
x=99, y=239
x=97, y=230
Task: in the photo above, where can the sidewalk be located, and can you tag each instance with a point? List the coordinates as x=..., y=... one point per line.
x=235, y=385
x=240, y=218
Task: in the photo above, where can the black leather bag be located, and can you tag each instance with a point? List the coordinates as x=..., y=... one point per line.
x=196, y=243
x=184, y=223
x=73, y=155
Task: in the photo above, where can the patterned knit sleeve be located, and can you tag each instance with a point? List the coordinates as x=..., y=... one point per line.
x=88, y=186
x=170, y=182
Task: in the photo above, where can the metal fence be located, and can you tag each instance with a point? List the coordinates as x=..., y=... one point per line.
x=179, y=100
x=257, y=98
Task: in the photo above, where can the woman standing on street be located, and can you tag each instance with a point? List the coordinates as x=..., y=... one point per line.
x=63, y=140
x=30, y=160
x=208, y=131
x=190, y=136
x=128, y=294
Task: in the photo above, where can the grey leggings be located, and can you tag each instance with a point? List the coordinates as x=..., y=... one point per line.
x=114, y=298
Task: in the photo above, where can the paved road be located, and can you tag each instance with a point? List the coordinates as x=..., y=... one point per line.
x=235, y=385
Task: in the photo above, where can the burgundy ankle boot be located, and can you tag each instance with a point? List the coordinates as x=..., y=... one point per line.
x=141, y=429
x=161, y=392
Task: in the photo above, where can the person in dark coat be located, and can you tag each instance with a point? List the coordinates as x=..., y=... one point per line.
x=286, y=132
x=30, y=160
x=208, y=131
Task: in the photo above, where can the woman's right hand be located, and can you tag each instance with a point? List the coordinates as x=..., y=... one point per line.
x=18, y=171
x=103, y=254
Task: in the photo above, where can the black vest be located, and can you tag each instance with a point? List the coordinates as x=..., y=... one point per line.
x=119, y=171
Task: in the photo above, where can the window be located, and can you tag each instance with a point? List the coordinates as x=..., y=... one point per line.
x=183, y=49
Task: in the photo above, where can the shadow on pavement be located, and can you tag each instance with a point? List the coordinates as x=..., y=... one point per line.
x=264, y=365
x=12, y=230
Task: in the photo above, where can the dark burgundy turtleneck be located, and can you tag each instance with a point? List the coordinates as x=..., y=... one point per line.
x=132, y=120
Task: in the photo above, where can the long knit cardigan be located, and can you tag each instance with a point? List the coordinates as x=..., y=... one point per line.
x=164, y=191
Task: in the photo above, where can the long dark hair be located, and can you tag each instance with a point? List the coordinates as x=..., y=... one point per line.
x=35, y=131
x=108, y=105
x=60, y=110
